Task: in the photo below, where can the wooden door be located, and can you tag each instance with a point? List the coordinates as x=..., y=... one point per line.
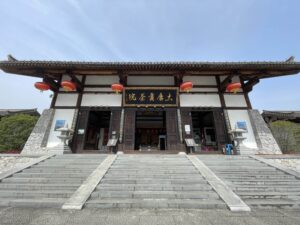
x=115, y=118
x=220, y=127
x=186, y=119
x=81, y=125
x=129, y=129
x=172, y=129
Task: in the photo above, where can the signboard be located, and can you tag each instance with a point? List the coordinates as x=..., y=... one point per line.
x=112, y=142
x=150, y=97
x=59, y=124
x=190, y=142
x=242, y=125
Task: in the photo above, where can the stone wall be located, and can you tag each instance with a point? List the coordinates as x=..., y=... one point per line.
x=37, y=141
x=264, y=138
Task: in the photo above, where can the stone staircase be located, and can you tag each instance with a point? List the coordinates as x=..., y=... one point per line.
x=258, y=184
x=49, y=183
x=153, y=181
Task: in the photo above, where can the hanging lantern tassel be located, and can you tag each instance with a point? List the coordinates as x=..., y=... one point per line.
x=42, y=86
x=233, y=87
x=186, y=86
x=117, y=88
x=68, y=85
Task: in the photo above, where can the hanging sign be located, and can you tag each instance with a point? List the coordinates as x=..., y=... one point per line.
x=150, y=97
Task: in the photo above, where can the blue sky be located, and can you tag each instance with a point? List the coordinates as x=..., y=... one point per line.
x=150, y=30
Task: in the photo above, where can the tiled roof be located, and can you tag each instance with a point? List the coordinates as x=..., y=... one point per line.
x=7, y=112
x=282, y=114
x=149, y=65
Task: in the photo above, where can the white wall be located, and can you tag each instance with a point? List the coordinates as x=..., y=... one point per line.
x=232, y=100
x=66, y=99
x=203, y=90
x=101, y=100
x=150, y=80
x=98, y=89
x=201, y=80
x=60, y=114
x=200, y=100
x=242, y=115
x=101, y=80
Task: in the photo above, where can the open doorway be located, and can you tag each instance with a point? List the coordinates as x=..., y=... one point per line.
x=204, y=130
x=150, y=132
x=97, y=130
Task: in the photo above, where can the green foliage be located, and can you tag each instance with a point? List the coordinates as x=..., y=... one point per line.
x=287, y=135
x=15, y=130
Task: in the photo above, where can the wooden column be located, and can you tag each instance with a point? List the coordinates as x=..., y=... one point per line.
x=221, y=95
x=79, y=99
x=172, y=129
x=129, y=129
x=186, y=119
x=115, y=118
x=79, y=139
x=220, y=127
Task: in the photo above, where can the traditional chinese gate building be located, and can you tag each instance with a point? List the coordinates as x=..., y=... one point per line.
x=151, y=112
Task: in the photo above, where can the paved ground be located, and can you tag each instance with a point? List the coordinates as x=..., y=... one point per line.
x=32, y=216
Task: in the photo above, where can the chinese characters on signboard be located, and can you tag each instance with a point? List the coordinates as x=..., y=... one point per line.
x=151, y=97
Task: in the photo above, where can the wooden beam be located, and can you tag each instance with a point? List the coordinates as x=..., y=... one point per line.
x=178, y=78
x=247, y=87
x=54, y=85
x=122, y=77
x=225, y=82
x=221, y=96
x=76, y=81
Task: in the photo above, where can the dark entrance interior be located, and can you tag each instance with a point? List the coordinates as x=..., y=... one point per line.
x=150, y=132
x=97, y=131
x=204, y=130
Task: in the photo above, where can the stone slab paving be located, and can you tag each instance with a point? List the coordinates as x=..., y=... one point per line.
x=33, y=216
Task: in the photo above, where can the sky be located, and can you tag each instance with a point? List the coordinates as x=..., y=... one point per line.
x=150, y=30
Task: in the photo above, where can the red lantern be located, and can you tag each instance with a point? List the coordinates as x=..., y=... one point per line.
x=186, y=86
x=68, y=85
x=233, y=87
x=117, y=88
x=42, y=86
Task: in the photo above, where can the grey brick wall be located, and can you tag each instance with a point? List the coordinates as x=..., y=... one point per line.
x=264, y=138
x=37, y=141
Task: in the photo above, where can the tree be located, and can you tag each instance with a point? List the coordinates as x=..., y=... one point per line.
x=285, y=133
x=15, y=130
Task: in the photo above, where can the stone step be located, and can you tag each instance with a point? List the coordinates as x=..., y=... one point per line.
x=155, y=203
x=273, y=203
x=154, y=195
x=264, y=188
x=52, y=175
x=41, y=170
x=33, y=203
x=35, y=194
x=265, y=182
x=150, y=176
x=153, y=187
x=269, y=195
x=251, y=177
x=30, y=186
x=43, y=180
x=151, y=181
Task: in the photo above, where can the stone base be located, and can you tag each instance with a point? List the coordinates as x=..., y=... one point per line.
x=265, y=140
x=60, y=149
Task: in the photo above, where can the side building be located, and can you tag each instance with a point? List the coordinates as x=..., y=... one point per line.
x=151, y=112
